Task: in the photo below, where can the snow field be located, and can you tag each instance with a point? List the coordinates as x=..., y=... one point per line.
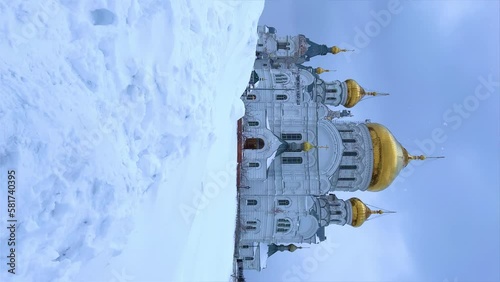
x=115, y=114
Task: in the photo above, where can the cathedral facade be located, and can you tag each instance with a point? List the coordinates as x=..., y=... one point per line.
x=295, y=151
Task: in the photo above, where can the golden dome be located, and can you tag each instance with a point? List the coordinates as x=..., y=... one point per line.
x=292, y=248
x=306, y=146
x=360, y=212
x=389, y=157
x=354, y=93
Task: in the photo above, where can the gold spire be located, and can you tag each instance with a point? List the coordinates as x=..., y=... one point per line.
x=421, y=157
x=408, y=157
x=373, y=93
x=320, y=70
x=355, y=93
x=336, y=50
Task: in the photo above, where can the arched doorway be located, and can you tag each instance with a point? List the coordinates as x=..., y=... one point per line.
x=254, y=143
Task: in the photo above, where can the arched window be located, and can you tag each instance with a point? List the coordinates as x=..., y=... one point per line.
x=251, y=225
x=251, y=202
x=348, y=167
x=251, y=97
x=350, y=154
x=334, y=90
x=253, y=164
x=283, y=220
x=281, y=78
x=331, y=98
x=291, y=136
x=281, y=97
x=283, y=225
x=283, y=202
x=253, y=123
x=347, y=179
x=349, y=140
x=254, y=144
x=291, y=160
x=248, y=258
x=346, y=130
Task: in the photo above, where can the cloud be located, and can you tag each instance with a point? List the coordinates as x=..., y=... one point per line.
x=451, y=14
x=375, y=252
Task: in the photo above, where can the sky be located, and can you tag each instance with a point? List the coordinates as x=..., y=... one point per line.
x=439, y=60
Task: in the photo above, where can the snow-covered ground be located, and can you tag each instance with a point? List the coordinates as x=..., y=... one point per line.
x=119, y=118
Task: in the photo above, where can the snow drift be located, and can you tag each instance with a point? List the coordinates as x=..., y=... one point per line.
x=119, y=118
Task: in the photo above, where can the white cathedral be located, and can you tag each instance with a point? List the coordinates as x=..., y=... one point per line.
x=294, y=152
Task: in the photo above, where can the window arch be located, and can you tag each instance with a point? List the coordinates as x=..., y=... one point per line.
x=251, y=202
x=253, y=164
x=349, y=140
x=349, y=154
x=253, y=123
x=281, y=78
x=281, y=97
x=251, y=97
x=291, y=136
x=348, y=167
x=291, y=160
x=347, y=179
x=283, y=202
x=251, y=225
x=283, y=225
x=254, y=143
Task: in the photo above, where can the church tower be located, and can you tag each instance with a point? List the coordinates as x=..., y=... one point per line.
x=289, y=49
x=329, y=209
x=347, y=93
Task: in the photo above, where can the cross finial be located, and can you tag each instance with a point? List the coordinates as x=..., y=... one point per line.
x=336, y=50
x=374, y=93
